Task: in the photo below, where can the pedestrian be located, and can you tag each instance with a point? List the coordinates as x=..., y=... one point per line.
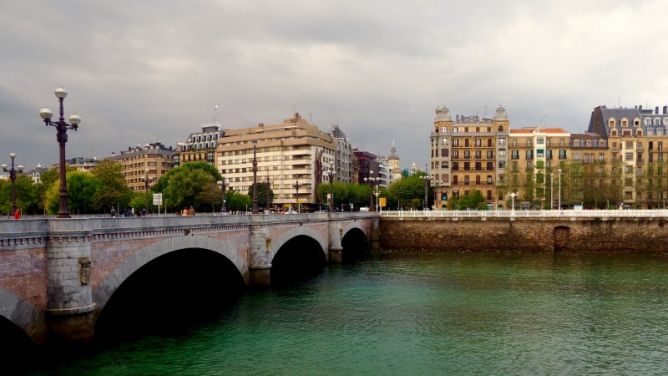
x=17, y=214
x=192, y=210
x=113, y=213
x=184, y=212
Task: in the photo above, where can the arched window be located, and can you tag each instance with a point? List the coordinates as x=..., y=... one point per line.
x=657, y=121
x=500, y=128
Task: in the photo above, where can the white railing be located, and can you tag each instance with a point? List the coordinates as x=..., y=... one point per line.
x=525, y=213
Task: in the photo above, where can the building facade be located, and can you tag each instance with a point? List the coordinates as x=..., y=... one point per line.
x=343, y=157
x=469, y=154
x=142, y=164
x=394, y=165
x=620, y=161
x=293, y=155
x=199, y=146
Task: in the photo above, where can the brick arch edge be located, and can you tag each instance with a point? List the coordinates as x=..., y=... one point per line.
x=104, y=291
x=24, y=315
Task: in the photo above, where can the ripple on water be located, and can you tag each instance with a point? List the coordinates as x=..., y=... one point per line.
x=428, y=314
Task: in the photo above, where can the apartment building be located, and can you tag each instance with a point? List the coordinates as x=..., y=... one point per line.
x=144, y=164
x=469, y=154
x=293, y=155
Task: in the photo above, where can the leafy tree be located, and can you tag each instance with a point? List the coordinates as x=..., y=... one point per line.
x=81, y=188
x=114, y=192
x=236, y=201
x=473, y=200
x=262, y=194
x=26, y=195
x=181, y=187
x=211, y=196
x=409, y=192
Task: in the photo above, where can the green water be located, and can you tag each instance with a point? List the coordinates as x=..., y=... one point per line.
x=467, y=314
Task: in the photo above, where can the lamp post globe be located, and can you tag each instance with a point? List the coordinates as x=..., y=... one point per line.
x=12, y=177
x=61, y=136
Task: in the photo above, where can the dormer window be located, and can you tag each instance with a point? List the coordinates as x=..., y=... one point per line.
x=625, y=122
x=611, y=123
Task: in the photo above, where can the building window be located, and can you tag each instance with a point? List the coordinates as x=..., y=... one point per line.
x=562, y=153
x=529, y=154
x=445, y=152
x=540, y=140
x=477, y=179
x=490, y=166
x=514, y=154
x=466, y=180
x=444, y=164
x=490, y=154
x=549, y=154
x=467, y=154
x=489, y=179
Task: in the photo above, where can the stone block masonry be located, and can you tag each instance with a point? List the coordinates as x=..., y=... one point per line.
x=524, y=234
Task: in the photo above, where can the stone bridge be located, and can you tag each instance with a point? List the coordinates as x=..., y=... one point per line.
x=57, y=275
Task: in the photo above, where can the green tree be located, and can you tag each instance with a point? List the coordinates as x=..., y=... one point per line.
x=473, y=200
x=114, y=193
x=409, y=192
x=27, y=198
x=236, y=201
x=81, y=188
x=262, y=194
x=182, y=187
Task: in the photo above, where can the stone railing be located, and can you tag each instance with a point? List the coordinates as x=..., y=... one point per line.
x=659, y=213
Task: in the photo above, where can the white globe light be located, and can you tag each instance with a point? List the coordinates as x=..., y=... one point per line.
x=75, y=119
x=45, y=113
x=20, y=168
x=60, y=92
x=12, y=155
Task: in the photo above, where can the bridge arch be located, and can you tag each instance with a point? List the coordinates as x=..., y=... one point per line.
x=23, y=316
x=299, y=253
x=281, y=240
x=142, y=257
x=354, y=243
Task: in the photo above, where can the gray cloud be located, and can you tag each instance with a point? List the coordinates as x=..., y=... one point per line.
x=144, y=71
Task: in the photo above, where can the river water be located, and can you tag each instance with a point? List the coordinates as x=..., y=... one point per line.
x=424, y=314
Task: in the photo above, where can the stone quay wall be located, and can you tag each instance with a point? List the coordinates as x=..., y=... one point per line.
x=574, y=234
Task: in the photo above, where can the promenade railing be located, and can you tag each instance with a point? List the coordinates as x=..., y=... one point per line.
x=654, y=213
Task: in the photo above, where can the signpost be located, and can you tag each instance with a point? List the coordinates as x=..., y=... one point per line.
x=157, y=200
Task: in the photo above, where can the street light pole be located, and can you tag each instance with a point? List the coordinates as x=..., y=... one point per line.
x=146, y=187
x=551, y=191
x=61, y=127
x=512, y=199
x=427, y=179
x=255, y=178
x=12, y=177
x=559, y=171
x=331, y=190
x=222, y=188
x=297, y=194
x=268, y=203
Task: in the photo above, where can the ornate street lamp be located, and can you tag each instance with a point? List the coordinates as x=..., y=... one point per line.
x=255, y=211
x=12, y=177
x=375, y=180
x=427, y=179
x=222, y=189
x=330, y=200
x=61, y=135
x=559, y=171
x=512, y=198
x=297, y=195
x=146, y=181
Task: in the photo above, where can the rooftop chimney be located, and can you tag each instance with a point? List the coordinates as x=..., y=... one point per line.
x=665, y=110
x=656, y=110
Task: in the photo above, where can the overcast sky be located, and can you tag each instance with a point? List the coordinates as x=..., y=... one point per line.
x=145, y=71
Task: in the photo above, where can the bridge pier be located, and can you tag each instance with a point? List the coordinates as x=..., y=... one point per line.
x=260, y=276
x=335, y=254
x=70, y=313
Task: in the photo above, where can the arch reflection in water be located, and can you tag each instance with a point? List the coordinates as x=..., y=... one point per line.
x=301, y=257
x=171, y=294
